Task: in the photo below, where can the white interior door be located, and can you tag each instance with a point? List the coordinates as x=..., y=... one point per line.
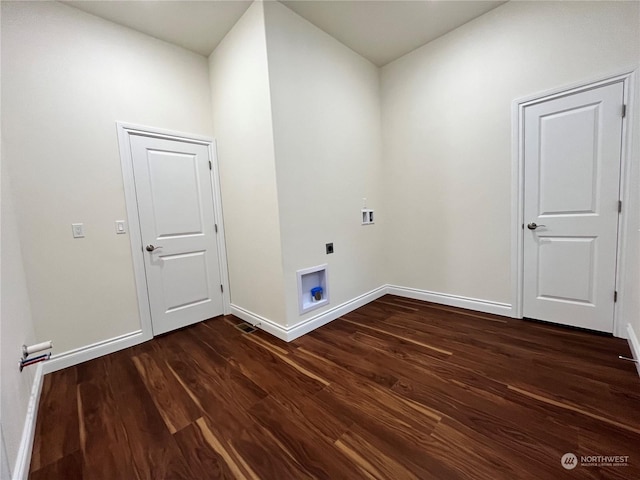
x=175, y=205
x=572, y=153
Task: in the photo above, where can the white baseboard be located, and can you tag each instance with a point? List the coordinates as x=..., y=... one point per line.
x=89, y=352
x=327, y=316
x=291, y=333
x=634, y=345
x=105, y=347
x=95, y=350
x=23, y=460
x=486, y=306
x=264, y=323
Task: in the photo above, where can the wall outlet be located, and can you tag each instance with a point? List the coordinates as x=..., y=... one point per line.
x=329, y=248
x=367, y=216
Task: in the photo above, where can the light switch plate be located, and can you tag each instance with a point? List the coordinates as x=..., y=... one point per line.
x=120, y=227
x=78, y=230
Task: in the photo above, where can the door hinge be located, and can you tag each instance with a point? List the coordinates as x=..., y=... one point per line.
x=216, y=227
x=221, y=288
x=624, y=111
x=615, y=296
x=210, y=166
x=619, y=206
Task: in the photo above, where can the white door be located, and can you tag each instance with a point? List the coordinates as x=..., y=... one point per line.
x=177, y=222
x=572, y=152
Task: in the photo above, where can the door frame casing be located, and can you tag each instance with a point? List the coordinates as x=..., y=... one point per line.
x=627, y=77
x=125, y=130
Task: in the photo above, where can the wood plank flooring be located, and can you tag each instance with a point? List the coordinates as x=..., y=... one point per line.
x=398, y=389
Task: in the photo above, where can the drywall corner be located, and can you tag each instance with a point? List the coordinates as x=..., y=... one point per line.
x=243, y=127
x=326, y=129
x=17, y=399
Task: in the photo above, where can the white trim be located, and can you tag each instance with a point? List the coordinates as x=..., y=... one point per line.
x=219, y=219
x=324, y=284
x=125, y=130
x=95, y=350
x=327, y=316
x=634, y=345
x=624, y=221
x=156, y=132
x=258, y=321
x=517, y=210
x=517, y=182
x=486, y=306
x=23, y=459
x=291, y=333
x=135, y=236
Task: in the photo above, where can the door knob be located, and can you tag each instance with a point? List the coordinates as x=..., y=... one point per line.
x=151, y=248
x=534, y=225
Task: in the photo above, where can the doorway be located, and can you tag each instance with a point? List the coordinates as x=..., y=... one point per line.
x=175, y=222
x=570, y=149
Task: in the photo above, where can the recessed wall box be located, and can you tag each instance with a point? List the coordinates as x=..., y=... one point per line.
x=313, y=288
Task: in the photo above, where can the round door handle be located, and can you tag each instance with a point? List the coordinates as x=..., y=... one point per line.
x=151, y=248
x=534, y=225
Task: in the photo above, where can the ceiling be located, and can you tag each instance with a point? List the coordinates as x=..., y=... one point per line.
x=195, y=25
x=380, y=30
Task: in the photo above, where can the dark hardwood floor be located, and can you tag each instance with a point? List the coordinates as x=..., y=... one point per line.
x=399, y=389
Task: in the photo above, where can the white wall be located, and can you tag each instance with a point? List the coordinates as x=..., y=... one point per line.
x=446, y=110
x=16, y=329
x=298, y=122
x=5, y=471
x=326, y=121
x=244, y=132
x=67, y=78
